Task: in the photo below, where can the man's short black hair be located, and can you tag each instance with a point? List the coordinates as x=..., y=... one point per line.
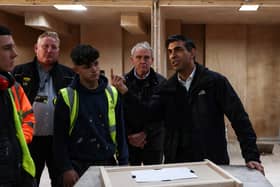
x=84, y=54
x=188, y=43
x=4, y=30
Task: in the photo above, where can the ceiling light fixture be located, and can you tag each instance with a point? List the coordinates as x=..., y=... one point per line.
x=75, y=7
x=249, y=8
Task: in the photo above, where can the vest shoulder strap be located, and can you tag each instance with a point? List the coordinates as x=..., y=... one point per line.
x=113, y=93
x=70, y=98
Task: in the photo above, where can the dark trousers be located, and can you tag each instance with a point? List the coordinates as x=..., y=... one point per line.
x=25, y=180
x=42, y=153
x=137, y=156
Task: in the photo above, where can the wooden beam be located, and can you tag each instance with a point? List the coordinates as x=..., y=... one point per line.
x=217, y=3
x=133, y=23
x=144, y=3
x=103, y=3
x=45, y=22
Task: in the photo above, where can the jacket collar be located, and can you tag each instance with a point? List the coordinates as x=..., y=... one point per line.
x=152, y=78
x=201, y=79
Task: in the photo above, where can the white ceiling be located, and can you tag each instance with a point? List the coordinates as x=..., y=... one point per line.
x=187, y=14
x=93, y=13
x=222, y=15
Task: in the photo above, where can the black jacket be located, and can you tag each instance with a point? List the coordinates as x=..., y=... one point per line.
x=140, y=94
x=195, y=119
x=28, y=76
x=10, y=150
x=90, y=141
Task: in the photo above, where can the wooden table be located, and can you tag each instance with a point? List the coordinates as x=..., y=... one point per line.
x=249, y=178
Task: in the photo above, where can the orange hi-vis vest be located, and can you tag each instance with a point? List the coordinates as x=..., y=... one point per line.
x=24, y=110
x=20, y=113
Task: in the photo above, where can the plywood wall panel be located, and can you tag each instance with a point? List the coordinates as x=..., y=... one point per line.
x=225, y=52
x=248, y=55
x=171, y=27
x=196, y=32
x=68, y=42
x=25, y=38
x=107, y=38
x=264, y=78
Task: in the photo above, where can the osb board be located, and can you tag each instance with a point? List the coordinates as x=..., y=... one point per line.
x=209, y=175
x=264, y=78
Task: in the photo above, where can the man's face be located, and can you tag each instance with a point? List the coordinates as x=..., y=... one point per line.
x=47, y=50
x=7, y=53
x=180, y=58
x=142, y=60
x=88, y=73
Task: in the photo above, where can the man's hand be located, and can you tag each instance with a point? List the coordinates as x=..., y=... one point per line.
x=137, y=139
x=70, y=177
x=118, y=82
x=255, y=165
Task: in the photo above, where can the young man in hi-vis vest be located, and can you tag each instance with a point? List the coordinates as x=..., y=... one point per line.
x=16, y=127
x=88, y=122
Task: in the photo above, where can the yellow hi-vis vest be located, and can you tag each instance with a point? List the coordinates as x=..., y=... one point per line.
x=27, y=162
x=70, y=97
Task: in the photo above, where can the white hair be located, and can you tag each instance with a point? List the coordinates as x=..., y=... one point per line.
x=142, y=45
x=51, y=34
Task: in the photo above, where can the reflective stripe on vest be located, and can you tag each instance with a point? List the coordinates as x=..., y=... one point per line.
x=70, y=97
x=112, y=96
x=27, y=162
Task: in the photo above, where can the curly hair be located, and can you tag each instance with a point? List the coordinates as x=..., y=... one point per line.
x=84, y=54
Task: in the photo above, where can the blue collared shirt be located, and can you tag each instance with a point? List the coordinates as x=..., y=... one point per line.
x=43, y=106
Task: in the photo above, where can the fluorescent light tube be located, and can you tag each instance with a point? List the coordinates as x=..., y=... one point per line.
x=249, y=8
x=71, y=7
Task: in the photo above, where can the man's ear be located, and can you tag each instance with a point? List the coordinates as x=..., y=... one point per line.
x=131, y=60
x=152, y=60
x=193, y=52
